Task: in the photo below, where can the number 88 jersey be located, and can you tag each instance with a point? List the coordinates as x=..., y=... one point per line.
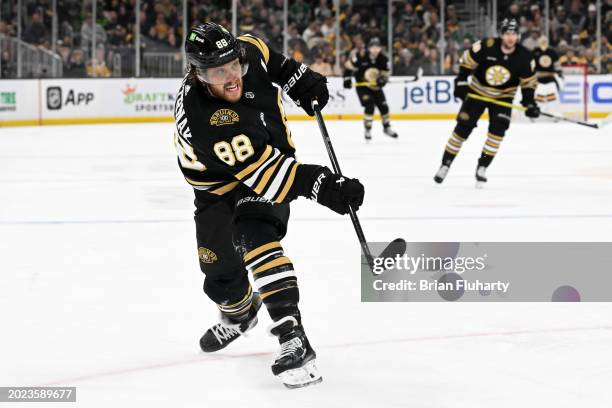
x=222, y=144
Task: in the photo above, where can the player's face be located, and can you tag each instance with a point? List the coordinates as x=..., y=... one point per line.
x=225, y=81
x=509, y=39
x=375, y=50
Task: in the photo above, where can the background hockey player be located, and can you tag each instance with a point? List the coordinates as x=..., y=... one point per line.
x=371, y=71
x=497, y=67
x=547, y=69
x=235, y=149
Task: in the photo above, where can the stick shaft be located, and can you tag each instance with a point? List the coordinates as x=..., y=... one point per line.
x=523, y=109
x=334, y=160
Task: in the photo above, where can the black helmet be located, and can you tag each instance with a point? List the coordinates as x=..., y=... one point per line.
x=374, y=42
x=211, y=45
x=509, y=25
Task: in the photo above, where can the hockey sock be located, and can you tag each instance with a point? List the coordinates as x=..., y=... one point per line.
x=490, y=149
x=240, y=309
x=452, y=148
x=275, y=279
x=386, y=120
x=367, y=121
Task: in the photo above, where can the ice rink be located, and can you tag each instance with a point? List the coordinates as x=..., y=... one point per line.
x=100, y=286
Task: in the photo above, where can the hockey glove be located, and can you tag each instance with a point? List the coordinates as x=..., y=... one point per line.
x=532, y=111
x=461, y=89
x=336, y=192
x=311, y=85
x=348, y=83
x=381, y=81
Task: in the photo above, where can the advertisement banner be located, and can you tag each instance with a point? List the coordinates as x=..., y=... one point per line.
x=122, y=100
x=19, y=102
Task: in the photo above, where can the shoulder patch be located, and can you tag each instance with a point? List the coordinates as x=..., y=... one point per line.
x=476, y=46
x=490, y=42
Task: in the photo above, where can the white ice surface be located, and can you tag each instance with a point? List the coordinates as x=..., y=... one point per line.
x=100, y=286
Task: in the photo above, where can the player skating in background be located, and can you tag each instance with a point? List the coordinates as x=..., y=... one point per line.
x=497, y=67
x=235, y=149
x=547, y=69
x=371, y=71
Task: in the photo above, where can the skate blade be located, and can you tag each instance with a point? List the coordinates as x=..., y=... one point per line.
x=480, y=185
x=301, y=377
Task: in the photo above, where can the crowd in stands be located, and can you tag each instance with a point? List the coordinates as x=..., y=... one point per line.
x=311, y=31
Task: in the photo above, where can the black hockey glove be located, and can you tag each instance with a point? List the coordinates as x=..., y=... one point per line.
x=335, y=192
x=381, y=81
x=311, y=85
x=461, y=88
x=348, y=82
x=532, y=111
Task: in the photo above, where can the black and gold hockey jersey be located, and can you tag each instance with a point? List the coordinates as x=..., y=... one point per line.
x=547, y=64
x=365, y=68
x=221, y=144
x=498, y=75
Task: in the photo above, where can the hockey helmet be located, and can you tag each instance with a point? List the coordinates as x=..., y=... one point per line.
x=210, y=45
x=509, y=25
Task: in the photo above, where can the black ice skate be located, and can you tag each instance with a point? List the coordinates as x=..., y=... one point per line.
x=390, y=132
x=368, y=135
x=295, y=364
x=441, y=174
x=481, y=177
x=229, y=329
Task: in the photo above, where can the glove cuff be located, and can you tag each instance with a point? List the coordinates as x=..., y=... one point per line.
x=308, y=179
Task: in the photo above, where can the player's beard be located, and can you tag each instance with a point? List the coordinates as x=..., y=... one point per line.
x=230, y=91
x=508, y=44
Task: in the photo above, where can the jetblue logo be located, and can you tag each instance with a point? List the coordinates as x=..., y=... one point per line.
x=438, y=91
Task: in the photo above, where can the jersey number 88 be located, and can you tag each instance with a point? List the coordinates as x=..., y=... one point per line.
x=240, y=149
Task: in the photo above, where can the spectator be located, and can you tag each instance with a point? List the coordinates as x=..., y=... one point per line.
x=76, y=65
x=299, y=12
x=531, y=42
x=322, y=67
x=87, y=30
x=36, y=33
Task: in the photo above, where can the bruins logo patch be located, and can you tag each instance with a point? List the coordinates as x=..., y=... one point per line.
x=224, y=117
x=497, y=75
x=207, y=256
x=545, y=61
x=464, y=116
x=371, y=74
x=490, y=42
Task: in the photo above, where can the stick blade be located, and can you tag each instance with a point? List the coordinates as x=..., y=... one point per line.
x=396, y=247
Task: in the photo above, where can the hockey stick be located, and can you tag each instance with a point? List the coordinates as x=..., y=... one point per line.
x=414, y=78
x=398, y=246
x=523, y=109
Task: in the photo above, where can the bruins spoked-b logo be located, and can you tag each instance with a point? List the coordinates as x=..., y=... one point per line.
x=224, y=117
x=497, y=75
x=206, y=255
x=545, y=61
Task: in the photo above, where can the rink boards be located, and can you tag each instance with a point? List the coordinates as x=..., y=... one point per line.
x=126, y=100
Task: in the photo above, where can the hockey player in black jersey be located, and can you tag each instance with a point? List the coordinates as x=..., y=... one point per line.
x=497, y=67
x=371, y=71
x=547, y=69
x=235, y=149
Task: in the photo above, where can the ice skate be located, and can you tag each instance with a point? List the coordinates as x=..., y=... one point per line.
x=229, y=329
x=295, y=363
x=441, y=174
x=390, y=132
x=368, y=135
x=481, y=177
